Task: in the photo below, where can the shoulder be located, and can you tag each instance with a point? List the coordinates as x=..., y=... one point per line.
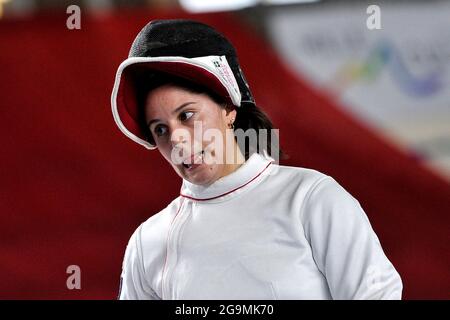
x=314, y=190
x=326, y=203
x=301, y=173
x=299, y=180
x=154, y=229
x=163, y=217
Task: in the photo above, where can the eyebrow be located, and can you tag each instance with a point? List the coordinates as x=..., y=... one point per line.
x=173, y=112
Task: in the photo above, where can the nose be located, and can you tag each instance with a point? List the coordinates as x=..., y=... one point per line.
x=180, y=138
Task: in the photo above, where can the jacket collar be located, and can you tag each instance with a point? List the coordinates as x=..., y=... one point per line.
x=248, y=172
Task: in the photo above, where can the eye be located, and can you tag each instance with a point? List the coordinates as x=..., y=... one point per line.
x=185, y=115
x=160, y=130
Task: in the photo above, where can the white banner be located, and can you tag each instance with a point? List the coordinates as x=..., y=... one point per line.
x=395, y=79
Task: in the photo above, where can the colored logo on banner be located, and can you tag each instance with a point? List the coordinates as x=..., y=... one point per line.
x=385, y=56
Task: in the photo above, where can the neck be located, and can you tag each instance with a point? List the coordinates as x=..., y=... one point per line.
x=230, y=185
x=238, y=160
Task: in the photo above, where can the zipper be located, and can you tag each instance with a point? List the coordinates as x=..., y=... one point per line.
x=171, y=250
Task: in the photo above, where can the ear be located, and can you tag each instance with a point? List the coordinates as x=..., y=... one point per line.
x=230, y=112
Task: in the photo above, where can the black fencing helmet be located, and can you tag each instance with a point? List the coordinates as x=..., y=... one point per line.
x=186, y=49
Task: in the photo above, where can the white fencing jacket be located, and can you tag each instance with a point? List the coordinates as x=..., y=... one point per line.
x=265, y=231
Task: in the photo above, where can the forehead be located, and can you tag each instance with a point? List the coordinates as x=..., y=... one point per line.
x=169, y=92
x=167, y=98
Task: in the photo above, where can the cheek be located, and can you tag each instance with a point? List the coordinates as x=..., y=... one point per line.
x=217, y=126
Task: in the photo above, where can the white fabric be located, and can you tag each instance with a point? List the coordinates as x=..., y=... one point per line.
x=263, y=232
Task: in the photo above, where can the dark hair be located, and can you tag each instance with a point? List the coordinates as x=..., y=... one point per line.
x=248, y=116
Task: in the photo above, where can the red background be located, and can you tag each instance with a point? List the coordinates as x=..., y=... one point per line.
x=73, y=188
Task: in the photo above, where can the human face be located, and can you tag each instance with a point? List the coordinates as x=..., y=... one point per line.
x=170, y=109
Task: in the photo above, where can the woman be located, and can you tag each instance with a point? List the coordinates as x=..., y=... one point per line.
x=243, y=226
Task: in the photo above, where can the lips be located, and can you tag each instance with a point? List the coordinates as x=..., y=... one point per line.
x=189, y=162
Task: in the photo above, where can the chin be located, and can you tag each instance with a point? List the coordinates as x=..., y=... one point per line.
x=203, y=177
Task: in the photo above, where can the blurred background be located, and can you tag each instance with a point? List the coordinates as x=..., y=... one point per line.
x=370, y=107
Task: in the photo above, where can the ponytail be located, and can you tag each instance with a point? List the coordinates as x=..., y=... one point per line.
x=250, y=117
